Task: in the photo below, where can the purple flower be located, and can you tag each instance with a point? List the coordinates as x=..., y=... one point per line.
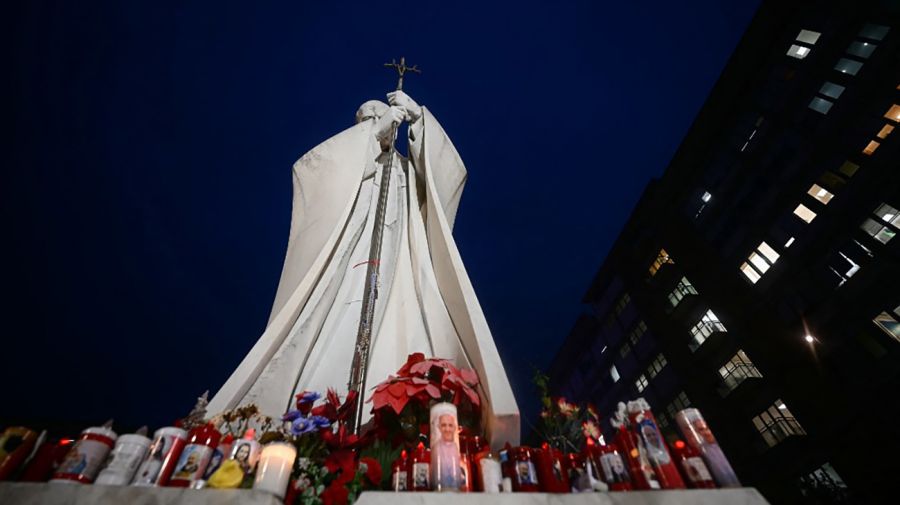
x=302, y=426
x=291, y=415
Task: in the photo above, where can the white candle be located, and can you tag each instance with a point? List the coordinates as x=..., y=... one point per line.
x=274, y=470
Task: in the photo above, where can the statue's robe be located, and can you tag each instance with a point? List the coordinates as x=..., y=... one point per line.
x=425, y=302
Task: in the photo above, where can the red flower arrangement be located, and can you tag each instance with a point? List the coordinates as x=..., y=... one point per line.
x=403, y=400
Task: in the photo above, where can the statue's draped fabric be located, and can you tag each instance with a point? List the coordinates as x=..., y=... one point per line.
x=425, y=302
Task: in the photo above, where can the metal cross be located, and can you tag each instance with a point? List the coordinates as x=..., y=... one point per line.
x=402, y=69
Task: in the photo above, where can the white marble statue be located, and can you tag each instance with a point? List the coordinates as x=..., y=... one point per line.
x=425, y=303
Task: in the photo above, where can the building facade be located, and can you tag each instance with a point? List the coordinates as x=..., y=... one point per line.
x=757, y=279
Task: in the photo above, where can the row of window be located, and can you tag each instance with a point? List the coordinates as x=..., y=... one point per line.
x=775, y=423
x=858, y=50
x=883, y=229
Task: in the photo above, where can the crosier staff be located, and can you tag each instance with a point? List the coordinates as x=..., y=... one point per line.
x=360, y=365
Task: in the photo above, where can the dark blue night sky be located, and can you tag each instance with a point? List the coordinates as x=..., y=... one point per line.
x=146, y=190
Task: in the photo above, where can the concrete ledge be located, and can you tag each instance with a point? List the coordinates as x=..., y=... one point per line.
x=16, y=493
x=23, y=493
x=739, y=496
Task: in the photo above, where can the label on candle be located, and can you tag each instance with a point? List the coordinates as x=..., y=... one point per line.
x=192, y=462
x=525, y=473
x=613, y=468
x=695, y=469
x=398, y=480
x=83, y=460
x=124, y=460
x=421, y=475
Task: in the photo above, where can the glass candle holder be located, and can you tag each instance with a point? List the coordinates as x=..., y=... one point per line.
x=274, y=470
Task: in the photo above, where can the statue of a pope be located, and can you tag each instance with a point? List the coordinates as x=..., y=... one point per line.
x=425, y=300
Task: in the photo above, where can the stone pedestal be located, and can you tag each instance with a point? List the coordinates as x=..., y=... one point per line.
x=13, y=493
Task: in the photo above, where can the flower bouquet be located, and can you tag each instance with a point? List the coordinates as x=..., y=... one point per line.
x=400, y=405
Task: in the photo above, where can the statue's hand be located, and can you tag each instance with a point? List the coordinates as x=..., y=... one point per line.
x=400, y=98
x=386, y=123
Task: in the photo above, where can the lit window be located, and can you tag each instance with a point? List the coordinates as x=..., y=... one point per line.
x=682, y=289
x=656, y=365
x=848, y=168
x=789, y=242
x=614, y=373
x=808, y=37
x=861, y=49
x=768, y=252
x=641, y=383
x=821, y=194
x=777, y=423
x=798, y=52
x=878, y=231
x=888, y=214
x=832, y=90
x=884, y=228
x=804, y=213
x=624, y=350
x=848, y=66
x=888, y=324
x=679, y=403
x=662, y=259
x=737, y=370
x=758, y=261
x=885, y=131
x=871, y=147
x=751, y=274
x=873, y=31
x=820, y=105
x=704, y=329
x=893, y=113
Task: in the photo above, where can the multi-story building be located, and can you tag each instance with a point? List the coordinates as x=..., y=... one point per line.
x=757, y=279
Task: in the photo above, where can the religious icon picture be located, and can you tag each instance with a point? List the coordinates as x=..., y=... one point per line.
x=420, y=476
x=445, y=458
x=526, y=473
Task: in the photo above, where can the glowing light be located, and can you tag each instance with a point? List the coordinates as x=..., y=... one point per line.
x=809, y=339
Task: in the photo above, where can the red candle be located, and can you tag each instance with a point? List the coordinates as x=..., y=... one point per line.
x=651, y=443
x=399, y=478
x=419, y=472
x=550, y=472
x=195, y=456
x=642, y=474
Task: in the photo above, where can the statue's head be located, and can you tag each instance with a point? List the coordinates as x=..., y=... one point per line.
x=371, y=109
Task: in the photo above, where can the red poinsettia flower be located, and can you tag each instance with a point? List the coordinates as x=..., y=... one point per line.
x=335, y=494
x=372, y=469
x=424, y=380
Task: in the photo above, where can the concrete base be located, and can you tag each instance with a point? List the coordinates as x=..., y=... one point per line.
x=740, y=496
x=14, y=493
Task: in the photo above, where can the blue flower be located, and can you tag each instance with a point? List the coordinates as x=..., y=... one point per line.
x=291, y=415
x=308, y=397
x=320, y=422
x=302, y=426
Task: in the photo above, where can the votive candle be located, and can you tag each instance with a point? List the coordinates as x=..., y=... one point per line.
x=274, y=470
